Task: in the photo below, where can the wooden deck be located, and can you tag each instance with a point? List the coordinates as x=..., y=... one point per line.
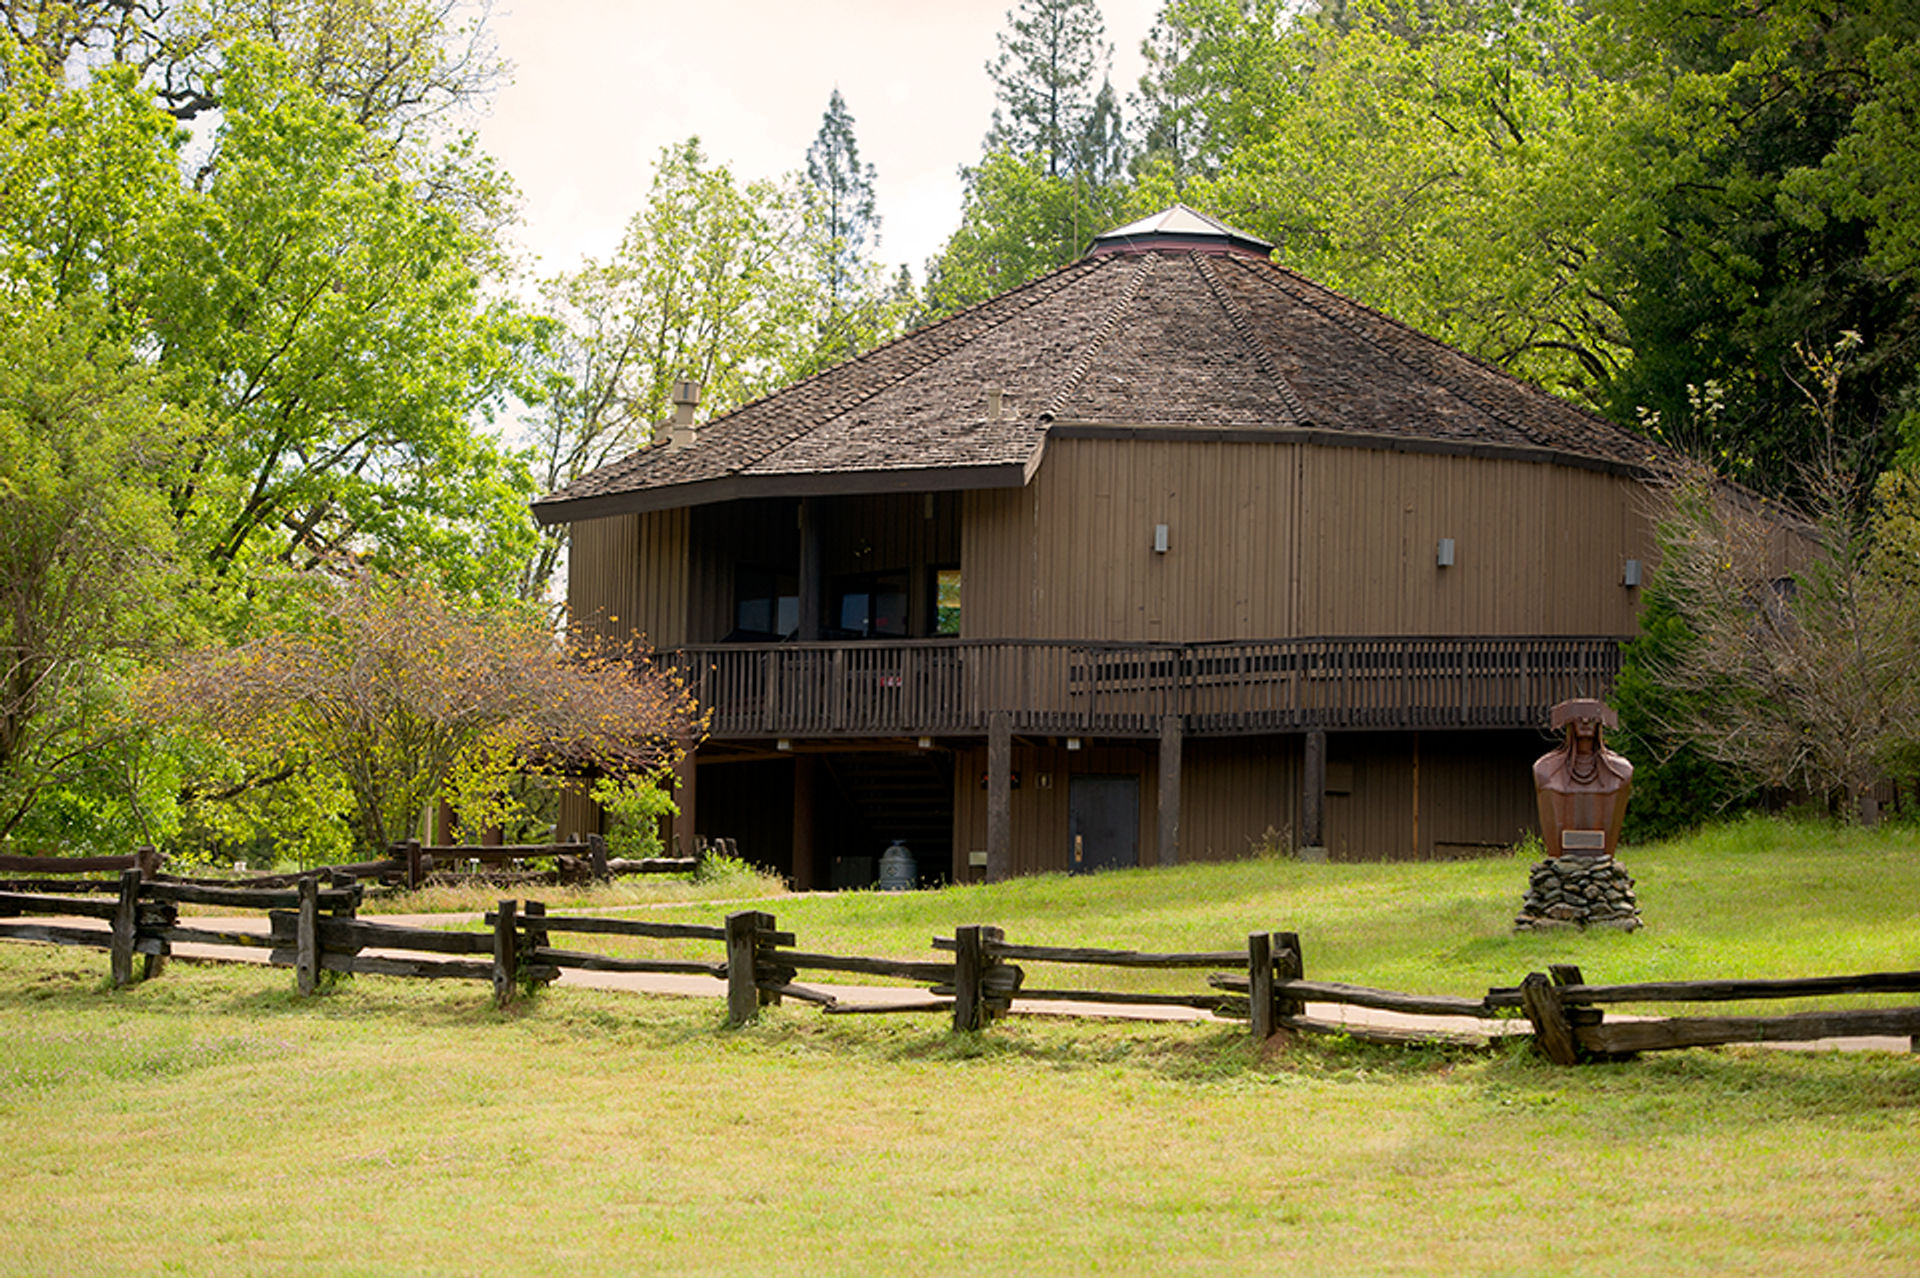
x=948, y=687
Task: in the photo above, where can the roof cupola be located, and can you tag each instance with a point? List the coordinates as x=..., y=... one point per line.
x=1182, y=229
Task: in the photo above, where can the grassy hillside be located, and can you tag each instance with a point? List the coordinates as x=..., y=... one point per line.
x=1762, y=897
x=208, y=1122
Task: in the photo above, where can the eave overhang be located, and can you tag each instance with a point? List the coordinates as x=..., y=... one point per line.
x=707, y=492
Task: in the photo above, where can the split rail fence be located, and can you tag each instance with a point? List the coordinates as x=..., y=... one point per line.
x=977, y=977
x=411, y=865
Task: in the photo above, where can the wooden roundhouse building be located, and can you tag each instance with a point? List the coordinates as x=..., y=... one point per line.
x=1163, y=555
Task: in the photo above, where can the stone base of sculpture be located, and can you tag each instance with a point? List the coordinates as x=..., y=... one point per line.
x=1579, y=892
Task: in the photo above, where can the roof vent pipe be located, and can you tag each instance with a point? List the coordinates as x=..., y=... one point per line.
x=994, y=394
x=686, y=398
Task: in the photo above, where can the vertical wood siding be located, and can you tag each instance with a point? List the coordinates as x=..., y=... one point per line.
x=610, y=592
x=1282, y=539
x=1234, y=792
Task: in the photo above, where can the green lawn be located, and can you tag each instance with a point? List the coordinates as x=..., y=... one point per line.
x=1758, y=898
x=208, y=1122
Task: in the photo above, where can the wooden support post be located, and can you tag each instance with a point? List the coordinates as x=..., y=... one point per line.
x=999, y=796
x=812, y=587
x=743, y=990
x=1552, y=1032
x=1289, y=964
x=597, y=857
x=805, y=767
x=686, y=796
x=416, y=865
x=306, y=951
x=1260, y=1001
x=126, y=911
x=969, y=966
x=506, y=952
x=1313, y=792
x=1169, y=842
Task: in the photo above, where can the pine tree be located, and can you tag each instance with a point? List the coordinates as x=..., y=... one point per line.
x=1052, y=54
x=844, y=190
x=1104, y=150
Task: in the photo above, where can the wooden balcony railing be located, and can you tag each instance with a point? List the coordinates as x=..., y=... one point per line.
x=949, y=686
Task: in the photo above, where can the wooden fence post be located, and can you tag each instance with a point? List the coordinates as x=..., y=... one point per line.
x=125, y=914
x=536, y=935
x=969, y=966
x=1552, y=1031
x=1289, y=964
x=765, y=927
x=306, y=953
x=416, y=868
x=147, y=860
x=505, y=952
x=743, y=990
x=1260, y=1004
x=993, y=1003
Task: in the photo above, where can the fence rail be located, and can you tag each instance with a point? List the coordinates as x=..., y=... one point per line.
x=313, y=930
x=893, y=687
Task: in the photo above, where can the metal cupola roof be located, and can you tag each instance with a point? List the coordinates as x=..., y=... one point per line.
x=1181, y=228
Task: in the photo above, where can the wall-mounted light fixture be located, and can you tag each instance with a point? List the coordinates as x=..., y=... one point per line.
x=1159, y=539
x=926, y=743
x=1443, y=556
x=783, y=744
x=1630, y=576
x=1073, y=743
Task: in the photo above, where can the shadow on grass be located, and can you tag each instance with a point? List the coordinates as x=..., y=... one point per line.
x=1718, y=1089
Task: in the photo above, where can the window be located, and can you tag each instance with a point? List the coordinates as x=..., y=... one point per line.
x=870, y=605
x=946, y=601
x=766, y=605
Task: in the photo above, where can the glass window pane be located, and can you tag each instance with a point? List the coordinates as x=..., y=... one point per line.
x=946, y=602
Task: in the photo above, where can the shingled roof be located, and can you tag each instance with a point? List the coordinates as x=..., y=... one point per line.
x=1176, y=326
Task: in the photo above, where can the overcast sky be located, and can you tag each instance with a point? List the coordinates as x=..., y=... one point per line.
x=599, y=86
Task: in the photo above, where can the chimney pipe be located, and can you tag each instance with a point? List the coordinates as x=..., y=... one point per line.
x=682, y=432
x=994, y=394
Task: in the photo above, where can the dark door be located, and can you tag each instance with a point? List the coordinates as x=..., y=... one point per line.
x=1103, y=820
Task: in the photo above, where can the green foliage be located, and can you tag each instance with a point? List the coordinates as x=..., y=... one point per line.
x=1530, y=847
x=329, y=327
x=705, y=285
x=1018, y=223
x=841, y=204
x=394, y=66
x=1766, y=216
x=1441, y=162
x=1054, y=169
x=400, y=697
x=717, y=867
x=87, y=574
x=1051, y=54
x=1677, y=786
x=1786, y=650
x=634, y=806
x=86, y=174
